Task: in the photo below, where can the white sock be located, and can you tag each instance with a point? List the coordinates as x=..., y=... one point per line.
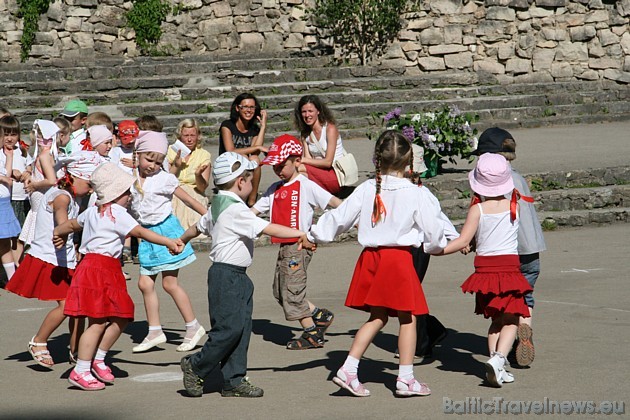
x=82, y=366
x=10, y=269
x=351, y=366
x=154, y=331
x=99, y=359
x=192, y=324
x=405, y=372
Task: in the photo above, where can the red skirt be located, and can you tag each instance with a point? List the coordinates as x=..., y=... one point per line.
x=325, y=178
x=499, y=286
x=386, y=277
x=35, y=278
x=99, y=289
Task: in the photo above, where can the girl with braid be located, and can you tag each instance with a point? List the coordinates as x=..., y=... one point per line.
x=394, y=215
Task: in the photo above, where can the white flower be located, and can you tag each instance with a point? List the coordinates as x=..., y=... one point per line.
x=430, y=115
x=416, y=118
x=475, y=142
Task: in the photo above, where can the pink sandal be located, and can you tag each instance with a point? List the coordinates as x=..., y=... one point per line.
x=344, y=380
x=405, y=388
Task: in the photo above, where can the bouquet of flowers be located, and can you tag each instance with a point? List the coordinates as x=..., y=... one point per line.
x=444, y=133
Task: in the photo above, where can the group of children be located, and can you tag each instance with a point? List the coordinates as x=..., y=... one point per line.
x=394, y=214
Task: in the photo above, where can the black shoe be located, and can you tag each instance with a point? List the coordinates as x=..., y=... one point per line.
x=323, y=319
x=308, y=340
x=192, y=382
x=245, y=390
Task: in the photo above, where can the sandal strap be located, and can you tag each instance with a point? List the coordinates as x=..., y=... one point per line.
x=34, y=344
x=43, y=353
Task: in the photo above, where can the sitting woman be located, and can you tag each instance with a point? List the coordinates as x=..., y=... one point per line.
x=243, y=134
x=321, y=141
x=192, y=171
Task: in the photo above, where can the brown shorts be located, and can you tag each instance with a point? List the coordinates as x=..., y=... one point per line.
x=289, y=282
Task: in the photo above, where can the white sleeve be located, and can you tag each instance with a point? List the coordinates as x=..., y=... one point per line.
x=248, y=225
x=431, y=223
x=263, y=205
x=339, y=220
x=318, y=196
x=204, y=225
x=81, y=218
x=124, y=222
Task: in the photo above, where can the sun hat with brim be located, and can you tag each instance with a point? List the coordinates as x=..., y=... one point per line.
x=492, y=177
x=110, y=182
x=74, y=107
x=491, y=141
x=283, y=146
x=222, y=169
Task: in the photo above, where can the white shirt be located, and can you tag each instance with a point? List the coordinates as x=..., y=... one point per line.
x=42, y=246
x=20, y=163
x=496, y=234
x=316, y=151
x=101, y=234
x=5, y=191
x=76, y=138
x=413, y=217
x=117, y=153
x=233, y=233
x=155, y=204
x=310, y=196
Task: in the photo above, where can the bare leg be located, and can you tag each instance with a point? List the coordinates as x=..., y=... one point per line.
x=91, y=337
x=406, y=337
x=527, y=321
x=367, y=332
x=76, y=326
x=113, y=331
x=179, y=295
x=51, y=322
x=507, y=334
x=146, y=284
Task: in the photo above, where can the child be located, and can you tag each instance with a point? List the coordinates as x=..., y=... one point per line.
x=10, y=137
x=99, y=139
x=46, y=272
x=393, y=215
x=233, y=228
x=99, y=290
x=295, y=191
x=63, y=137
x=151, y=203
x=497, y=280
x=530, y=236
x=9, y=225
x=76, y=112
x=44, y=177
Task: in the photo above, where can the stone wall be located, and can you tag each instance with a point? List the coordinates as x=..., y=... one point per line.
x=515, y=40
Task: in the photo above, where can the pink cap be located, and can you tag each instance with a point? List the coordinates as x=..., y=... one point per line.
x=492, y=177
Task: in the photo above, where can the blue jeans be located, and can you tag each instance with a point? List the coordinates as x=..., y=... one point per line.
x=230, y=299
x=530, y=268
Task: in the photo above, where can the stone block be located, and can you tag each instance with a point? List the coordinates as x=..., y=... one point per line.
x=221, y=9
x=553, y=34
x=431, y=37
x=582, y=33
x=270, y=4
x=83, y=39
x=55, y=12
x=626, y=64
x=446, y=7
x=251, y=42
x=411, y=55
x=617, y=76
x=551, y=3
x=623, y=7
x=294, y=41
x=518, y=66
x=501, y=13
x=539, y=12
x=274, y=14
x=453, y=34
x=505, y=51
x=625, y=43
x=604, y=63
x=394, y=51
x=561, y=70
x=405, y=35
x=273, y=42
x=447, y=49
x=606, y=37
x=587, y=75
x=263, y=24
x=420, y=24
x=458, y=61
x=297, y=13
x=298, y=26
x=73, y=24
x=411, y=46
x=597, y=16
x=595, y=49
x=105, y=38
x=527, y=42
x=573, y=52
x=283, y=23
x=217, y=26
x=111, y=15
x=542, y=59
x=211, y=43
x=14, y=36
x=574, y=19
x=431, y=63
x=488, y=66
x=79, y=12
x=46, y=51
x=100, y=28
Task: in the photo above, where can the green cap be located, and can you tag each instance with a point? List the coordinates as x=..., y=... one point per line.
x=74, y=107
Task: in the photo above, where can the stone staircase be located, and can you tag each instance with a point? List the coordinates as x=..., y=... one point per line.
x=203, y=87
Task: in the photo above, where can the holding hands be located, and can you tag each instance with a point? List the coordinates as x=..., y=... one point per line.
x=304, y=243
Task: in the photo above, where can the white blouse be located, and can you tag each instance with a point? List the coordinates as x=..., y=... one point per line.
x=154, y=204
x=105, y=234
x=413, y=217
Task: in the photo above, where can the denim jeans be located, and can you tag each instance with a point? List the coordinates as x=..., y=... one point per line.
x=530, y=268
x=230, y=299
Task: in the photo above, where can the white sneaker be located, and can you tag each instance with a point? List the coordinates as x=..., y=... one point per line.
x=506, y=377
x=149, y=344
x=189, y=345
x=494, y=366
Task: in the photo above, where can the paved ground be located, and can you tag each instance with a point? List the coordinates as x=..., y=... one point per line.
x=581, y=324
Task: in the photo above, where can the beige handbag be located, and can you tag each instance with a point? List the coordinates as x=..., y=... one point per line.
x=345, y=167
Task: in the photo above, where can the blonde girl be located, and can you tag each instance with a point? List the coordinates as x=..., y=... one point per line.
x=152, y=196
x=393, y=215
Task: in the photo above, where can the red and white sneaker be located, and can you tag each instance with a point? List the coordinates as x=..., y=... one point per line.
x=85, y=381
x=104, y=375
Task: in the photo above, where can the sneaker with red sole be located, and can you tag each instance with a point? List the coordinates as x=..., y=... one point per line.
x=85, y=381
x=104, y=375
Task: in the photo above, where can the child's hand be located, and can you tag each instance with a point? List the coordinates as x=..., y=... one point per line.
x=25, y=177
x=16, y=174
x=127, y=162
x=58, y=240
x=176, y=246
x=304, y=243
x=29, y=186
x=465, y=250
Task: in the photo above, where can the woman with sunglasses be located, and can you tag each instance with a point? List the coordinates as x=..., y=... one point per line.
x=244, y=134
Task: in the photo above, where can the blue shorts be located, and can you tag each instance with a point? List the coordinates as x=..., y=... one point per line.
x=157, y=258
x=530, y=268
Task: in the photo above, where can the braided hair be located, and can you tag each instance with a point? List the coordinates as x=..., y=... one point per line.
x=392, y=153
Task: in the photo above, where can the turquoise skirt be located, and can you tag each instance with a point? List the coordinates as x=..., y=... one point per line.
x=157, y=258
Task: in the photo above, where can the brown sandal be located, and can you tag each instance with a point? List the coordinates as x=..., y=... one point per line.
x=307, y=341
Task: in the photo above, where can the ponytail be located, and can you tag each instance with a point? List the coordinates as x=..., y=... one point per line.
x=378, y=210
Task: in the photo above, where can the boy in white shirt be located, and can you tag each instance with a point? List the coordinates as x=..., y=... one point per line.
x=290, y=202
x=233, y=228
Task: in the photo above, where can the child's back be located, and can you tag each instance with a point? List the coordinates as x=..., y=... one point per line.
x=497, y=232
